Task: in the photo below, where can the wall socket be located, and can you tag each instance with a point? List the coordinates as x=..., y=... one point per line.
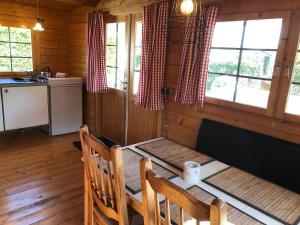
x=166, y=91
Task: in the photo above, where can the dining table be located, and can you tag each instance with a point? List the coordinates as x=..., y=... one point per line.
x=250, y=199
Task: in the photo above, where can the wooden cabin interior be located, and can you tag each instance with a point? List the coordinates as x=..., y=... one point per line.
x=150, y=112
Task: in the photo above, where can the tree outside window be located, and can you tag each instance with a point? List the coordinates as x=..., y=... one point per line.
x=242, y=61
x=15, y=49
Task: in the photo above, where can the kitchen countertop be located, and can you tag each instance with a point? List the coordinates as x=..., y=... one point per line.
x=10, y=82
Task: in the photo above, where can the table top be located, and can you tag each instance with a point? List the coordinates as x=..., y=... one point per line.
x=214, y=175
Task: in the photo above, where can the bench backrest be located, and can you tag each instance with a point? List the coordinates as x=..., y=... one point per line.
x=267, y=157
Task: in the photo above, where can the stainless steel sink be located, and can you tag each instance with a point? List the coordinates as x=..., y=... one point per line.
x=27, y=80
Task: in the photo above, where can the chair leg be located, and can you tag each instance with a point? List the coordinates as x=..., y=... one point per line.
x=86, y=199
x=93, y=218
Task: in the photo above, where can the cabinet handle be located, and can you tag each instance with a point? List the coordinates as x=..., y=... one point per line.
x=5, y=90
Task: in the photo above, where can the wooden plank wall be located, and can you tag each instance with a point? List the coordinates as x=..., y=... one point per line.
x=62, y=47
x=50, y=46
x=77, y=62
x=183, y=120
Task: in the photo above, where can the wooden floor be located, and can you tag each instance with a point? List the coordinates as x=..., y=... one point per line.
x=41, y=179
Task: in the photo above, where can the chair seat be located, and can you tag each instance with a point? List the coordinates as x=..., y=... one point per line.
x=103, y=219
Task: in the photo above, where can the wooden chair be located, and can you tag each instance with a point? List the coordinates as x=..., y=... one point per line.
x=152, y=185
x=105, y=181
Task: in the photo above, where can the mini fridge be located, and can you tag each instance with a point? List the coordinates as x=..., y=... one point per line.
x=65, y=105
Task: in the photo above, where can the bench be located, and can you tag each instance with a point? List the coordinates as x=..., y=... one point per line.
x=270, y=158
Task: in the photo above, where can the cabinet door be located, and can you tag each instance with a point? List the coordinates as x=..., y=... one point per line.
x=25, y=106
x=66, y=109
x=1, y=114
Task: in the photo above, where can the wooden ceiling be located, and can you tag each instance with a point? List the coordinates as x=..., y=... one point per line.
x=56, y=4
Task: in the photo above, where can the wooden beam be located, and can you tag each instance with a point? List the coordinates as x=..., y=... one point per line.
x=74, y=2
x=91, y=3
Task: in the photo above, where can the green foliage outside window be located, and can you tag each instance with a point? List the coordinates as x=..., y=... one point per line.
x=296, y=73
x=295, y=89
x=15, y=49
x=231, y=68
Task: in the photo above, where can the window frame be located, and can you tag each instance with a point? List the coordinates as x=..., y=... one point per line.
x=269, y=110
x=34, y=49
x=287, y=72
x=108, y=18
x=135, y=18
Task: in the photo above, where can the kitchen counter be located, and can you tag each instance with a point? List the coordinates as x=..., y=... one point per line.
x=10, y=82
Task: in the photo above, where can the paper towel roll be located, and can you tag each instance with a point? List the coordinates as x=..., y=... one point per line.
x=191, y=172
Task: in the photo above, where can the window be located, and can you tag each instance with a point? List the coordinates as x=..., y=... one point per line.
x=115, y=55
x=242, y=61
x=293, y=102
x=137, y=55
x=15, y=49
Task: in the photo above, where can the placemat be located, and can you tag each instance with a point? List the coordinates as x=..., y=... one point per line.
x=234, y=215
x=132, y=170
x=271, y=199
x=173, y=153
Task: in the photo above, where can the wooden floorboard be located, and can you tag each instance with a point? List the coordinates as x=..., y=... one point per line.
x=41, y=179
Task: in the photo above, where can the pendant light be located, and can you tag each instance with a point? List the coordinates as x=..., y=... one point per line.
x=182, y=12
x=187, y=7
x=39, y=22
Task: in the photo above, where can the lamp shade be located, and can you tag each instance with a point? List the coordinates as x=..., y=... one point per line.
x=38, y=26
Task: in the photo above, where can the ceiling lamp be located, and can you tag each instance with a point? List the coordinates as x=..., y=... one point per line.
x=182, y=12
x=39, y=22
x=187, y=7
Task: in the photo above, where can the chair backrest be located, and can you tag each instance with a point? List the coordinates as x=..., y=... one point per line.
x=154, y=188
x=105, y=172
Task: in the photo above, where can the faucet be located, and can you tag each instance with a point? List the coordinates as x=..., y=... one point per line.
x=30, y=74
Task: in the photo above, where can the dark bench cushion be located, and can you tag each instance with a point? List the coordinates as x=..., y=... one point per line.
x=267, y=157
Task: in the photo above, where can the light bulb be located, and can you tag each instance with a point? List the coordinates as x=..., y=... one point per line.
x=187, y=6
x=38, y=26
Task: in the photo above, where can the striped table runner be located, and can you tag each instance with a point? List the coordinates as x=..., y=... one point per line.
x=273, y=200
x=172, y=153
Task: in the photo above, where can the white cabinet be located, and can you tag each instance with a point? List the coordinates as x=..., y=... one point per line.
x=25, y=106
x=1, y=114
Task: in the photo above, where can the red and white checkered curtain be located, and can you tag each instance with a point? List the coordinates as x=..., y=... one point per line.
x=154, y=47
x=193, y=71
x=96, y=71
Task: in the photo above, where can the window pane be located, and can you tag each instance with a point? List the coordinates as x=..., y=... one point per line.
x=20, y=35
x=136, y=79
x=137, y=60
x=296, y=72
x=262, y=33
x=120, y=79
x=111, y=34
x=111, y=56
x=21, y=64
x=22, y=50
x=111, y=77
x=293, y=101
x=228, y=34
x=257, y=63
x=4, y=49
x=223, y=61
x=5, y=65
x=220, y=86
x=4, y=33
x=138, y=33
x=121, y=50
x=253, y=92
